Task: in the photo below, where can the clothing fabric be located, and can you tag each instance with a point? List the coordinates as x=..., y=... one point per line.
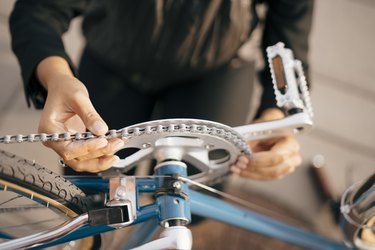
x=153, y=45
x=209, y=96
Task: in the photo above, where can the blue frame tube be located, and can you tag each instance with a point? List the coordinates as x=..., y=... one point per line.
x=172, y=207
x=213, y=208
x=144, y=214
x=6, y=236
x=142, y=234
x=78, y=234
x=89, y=182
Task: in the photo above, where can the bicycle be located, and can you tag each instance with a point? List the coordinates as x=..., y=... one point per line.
x=113, y=202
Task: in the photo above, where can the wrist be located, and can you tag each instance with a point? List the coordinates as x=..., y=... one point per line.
x=51, y=68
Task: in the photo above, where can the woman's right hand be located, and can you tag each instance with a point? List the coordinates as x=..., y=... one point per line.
x=68, y=109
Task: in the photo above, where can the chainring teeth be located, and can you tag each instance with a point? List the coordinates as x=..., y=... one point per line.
x=214, y=135
x=217, y=135
x=182, y=127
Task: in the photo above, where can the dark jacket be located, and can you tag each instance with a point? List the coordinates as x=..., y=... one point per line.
x=166, y=41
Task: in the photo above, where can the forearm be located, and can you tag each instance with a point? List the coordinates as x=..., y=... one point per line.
x=36, y=27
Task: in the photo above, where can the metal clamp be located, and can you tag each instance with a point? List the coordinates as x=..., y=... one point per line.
x=172, y=186
x=122, y=193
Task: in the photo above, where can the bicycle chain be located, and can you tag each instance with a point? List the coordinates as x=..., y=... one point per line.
x=167, y=126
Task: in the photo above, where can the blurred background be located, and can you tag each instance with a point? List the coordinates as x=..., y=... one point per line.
x=343, y=94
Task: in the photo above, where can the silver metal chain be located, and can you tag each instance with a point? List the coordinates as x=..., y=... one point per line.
x=159, y=127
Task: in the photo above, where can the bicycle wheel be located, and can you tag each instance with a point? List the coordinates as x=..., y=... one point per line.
x=34, y=199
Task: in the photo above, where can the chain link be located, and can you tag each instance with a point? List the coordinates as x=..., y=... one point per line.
x=168, y=126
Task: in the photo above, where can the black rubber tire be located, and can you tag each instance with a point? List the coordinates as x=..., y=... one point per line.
x=38, y=179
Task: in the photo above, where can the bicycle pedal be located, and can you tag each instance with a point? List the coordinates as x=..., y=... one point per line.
x=289, y=81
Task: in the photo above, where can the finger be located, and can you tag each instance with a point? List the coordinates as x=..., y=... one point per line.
x=74, y=125
x=93, y=165
x=92, y=120
x=276, y=171
x=255, y=176
x=292, y=161
x=268, y=176
x=286, y=145
x=243, y=159
x=260, y=176
x=264, y=160
x=112, y=147
x=264, y=145
x=282, y=148
x=235, y=170
x=74, y=149
x=241, y=163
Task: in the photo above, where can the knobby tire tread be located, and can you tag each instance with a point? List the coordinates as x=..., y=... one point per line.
x=34, y=177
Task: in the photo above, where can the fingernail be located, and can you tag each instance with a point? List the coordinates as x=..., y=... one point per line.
x=115, y=160
x=99, y=128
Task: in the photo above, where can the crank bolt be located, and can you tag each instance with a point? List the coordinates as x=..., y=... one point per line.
x=177, y=185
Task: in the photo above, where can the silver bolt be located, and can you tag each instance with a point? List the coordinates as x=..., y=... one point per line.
x=121, y=192
x=177, y=185
x=146, y=145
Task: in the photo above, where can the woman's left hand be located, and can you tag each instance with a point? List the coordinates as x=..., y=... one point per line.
x=272, y=158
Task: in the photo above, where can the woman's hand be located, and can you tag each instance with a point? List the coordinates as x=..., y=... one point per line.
x=272, y=158
x=68, y=108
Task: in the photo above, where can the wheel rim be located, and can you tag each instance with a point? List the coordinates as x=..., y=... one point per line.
x=24, y=212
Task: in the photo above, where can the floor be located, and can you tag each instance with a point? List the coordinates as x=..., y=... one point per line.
x=343, y=96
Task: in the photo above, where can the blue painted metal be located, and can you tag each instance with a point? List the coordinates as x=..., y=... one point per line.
x=78, y=234
x=89, y=183
x=144, y=214
x=147, y=212
x=172, y=206
x=146, y=185
x=142, y=234
x=5, y=236
x=219, y=210
x=213, y=208
x=143, y=184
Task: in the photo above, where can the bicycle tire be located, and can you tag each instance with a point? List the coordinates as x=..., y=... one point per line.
x=35, y=183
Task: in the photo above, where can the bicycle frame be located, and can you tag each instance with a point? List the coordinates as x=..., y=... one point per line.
x=174, y=204
x=199, y=204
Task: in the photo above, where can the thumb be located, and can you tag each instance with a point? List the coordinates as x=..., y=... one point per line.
x=92, y=120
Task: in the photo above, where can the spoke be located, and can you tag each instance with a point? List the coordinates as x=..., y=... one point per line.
x=30, y=224
x=12, y=199
x=21, y=208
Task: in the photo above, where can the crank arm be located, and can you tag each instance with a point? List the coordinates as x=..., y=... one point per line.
x=297, y=123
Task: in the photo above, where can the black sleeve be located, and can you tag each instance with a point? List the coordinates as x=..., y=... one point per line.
x=287, y=21
x=36, y=28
